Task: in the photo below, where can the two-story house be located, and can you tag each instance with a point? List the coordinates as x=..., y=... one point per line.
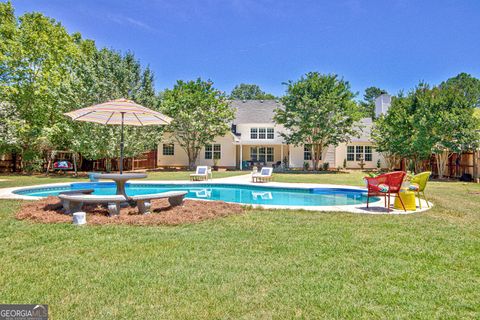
x=256, y=139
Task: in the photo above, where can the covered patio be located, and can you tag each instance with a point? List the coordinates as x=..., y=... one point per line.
x=265, y=154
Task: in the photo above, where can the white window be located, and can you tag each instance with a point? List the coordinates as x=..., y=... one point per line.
x=359, y=153
x=307, y=152
x=262, y=154
x=368, y=153
x=270, y=133
x=213, y=151
x=253, y=154
x=262, y=133
x=350, y=153
x=356, y=153
x=253, y=133
x=168, y=149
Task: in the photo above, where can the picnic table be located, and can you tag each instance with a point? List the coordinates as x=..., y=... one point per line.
x=121, y=179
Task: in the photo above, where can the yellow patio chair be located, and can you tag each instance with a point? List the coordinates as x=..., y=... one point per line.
x=418, y=184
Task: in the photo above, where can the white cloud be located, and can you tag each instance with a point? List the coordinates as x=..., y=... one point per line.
x=125, y=20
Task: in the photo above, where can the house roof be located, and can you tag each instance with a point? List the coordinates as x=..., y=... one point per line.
x=254, y=111
x=365, y=131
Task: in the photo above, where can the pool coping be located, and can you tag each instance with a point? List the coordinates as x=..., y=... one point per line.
x=376, y=207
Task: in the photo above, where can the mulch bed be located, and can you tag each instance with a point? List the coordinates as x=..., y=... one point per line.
x=49, y=210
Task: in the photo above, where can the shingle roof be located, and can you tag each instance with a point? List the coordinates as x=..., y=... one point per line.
x=254, y=111
x=365, y=132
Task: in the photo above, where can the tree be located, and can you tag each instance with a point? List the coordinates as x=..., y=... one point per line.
x=200, y=112
x=467, y=85
x=245, y=91
x=45, y=72
x=103, y=75
x=38, y=54
x=453, y=125
x=428, y=120
x=368, y=103
x=318, y=111
x=404, y=131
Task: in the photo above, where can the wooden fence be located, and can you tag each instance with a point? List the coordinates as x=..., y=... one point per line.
x=148, y=160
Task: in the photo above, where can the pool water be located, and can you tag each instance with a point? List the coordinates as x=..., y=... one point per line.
x=246, y=194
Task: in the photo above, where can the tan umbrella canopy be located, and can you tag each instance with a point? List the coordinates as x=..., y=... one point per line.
x=120, y=112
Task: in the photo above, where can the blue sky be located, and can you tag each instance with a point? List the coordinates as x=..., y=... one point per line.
x=392, y=44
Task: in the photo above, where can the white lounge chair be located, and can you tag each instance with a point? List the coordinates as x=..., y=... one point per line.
x=264, y=175
x=202, y=173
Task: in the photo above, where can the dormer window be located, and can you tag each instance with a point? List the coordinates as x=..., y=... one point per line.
x=270, y=134
x=262, y=133
x=253, y=133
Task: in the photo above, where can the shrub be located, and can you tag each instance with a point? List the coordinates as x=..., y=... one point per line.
x=306, y=166
x=325, y=166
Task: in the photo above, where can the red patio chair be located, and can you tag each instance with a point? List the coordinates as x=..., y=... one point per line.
x=385, y=185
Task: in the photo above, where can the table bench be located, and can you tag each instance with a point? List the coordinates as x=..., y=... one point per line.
x=175, y=198
x=76, y=201
x=66, y=203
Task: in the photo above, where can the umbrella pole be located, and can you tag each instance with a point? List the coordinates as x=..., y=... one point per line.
x=121, y=145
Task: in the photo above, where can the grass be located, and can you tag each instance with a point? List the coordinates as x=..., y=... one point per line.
x=261, y=265
x=25, y=180
x=353, y=178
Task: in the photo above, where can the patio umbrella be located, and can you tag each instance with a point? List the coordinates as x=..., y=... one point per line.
x=120, y=112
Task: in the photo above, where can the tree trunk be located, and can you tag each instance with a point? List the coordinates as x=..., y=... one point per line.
x=191, y=163
x=442, y=160
x=192, y=155
x=315, y=157
x=418, y=163
x=391, y=160
x=14, y=158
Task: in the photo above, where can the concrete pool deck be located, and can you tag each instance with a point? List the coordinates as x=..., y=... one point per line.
x=375, y=207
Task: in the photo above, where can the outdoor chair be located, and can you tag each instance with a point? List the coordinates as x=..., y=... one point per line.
x=263, y=176
x=384, y=186
x=201, y=173
x=418, y=184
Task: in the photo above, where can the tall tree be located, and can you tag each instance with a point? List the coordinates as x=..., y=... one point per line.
x=39, y=53
x=319, y=111
x=246, y=91
x=428, y=120
x=453, y=126
x=467, y=85
x=103, y=75
x=200, y=112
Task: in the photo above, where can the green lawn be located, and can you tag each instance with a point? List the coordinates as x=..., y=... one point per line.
x=25, y=180
x=261, y=265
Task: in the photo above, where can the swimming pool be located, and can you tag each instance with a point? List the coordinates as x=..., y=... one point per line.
x=236, y=193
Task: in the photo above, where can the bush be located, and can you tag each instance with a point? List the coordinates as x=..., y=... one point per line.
x=306, y=166
x=325, y=166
